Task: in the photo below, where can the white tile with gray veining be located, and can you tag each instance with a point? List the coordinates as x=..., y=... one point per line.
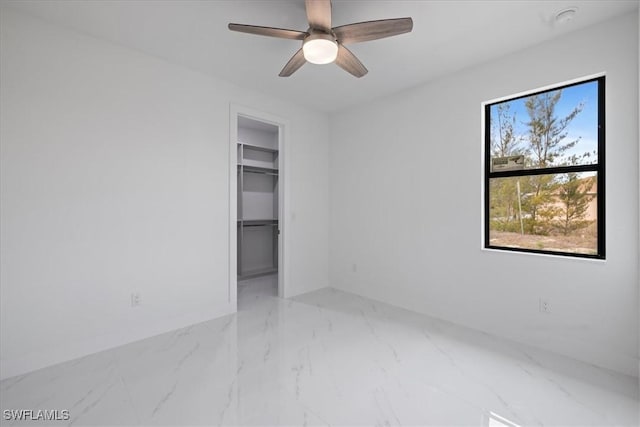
x=325, y=358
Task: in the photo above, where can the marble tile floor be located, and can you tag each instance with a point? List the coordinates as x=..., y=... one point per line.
x=325, y=358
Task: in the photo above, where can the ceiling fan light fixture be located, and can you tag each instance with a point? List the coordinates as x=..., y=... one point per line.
x=320, y=49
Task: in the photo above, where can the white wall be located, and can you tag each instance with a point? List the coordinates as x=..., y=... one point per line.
x=114, y=174
x=406, y=201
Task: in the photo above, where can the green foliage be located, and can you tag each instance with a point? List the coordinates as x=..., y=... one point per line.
x=547, y=133
x=575, y=198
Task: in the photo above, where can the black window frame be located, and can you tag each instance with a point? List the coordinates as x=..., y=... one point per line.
x=598, y=168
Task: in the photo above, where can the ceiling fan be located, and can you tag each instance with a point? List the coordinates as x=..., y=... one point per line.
x=322, y=44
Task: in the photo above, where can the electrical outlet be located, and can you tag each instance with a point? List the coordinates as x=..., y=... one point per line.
x=136, y=299
x=545, y=305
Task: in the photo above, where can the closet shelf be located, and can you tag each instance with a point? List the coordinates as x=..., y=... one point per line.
x=257, y=147
x=259, y=169
x=260, y=164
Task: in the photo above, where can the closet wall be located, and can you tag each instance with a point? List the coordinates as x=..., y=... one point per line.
x=257, y=198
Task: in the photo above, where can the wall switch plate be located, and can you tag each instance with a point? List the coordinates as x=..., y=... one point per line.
x=545, y=305
x=354, y=268
x=136, y=299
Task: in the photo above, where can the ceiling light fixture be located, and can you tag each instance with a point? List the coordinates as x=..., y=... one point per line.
x=566, y=15
x=320, y=48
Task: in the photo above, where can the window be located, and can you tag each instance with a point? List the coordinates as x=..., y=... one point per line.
x=544, y=171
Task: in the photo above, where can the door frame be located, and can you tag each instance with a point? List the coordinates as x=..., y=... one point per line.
x=236, y=110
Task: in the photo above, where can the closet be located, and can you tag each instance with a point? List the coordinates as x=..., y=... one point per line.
x=258, y=190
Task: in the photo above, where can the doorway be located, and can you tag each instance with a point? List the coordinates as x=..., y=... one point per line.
x=257, y=240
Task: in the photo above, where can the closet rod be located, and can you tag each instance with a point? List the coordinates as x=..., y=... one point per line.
x=261, y=173
x=260, y=225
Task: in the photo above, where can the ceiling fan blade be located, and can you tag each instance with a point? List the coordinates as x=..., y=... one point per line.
x=319, y=14
x=268, y=31
x=372, y=30
x=348, y=62
x=296, y=61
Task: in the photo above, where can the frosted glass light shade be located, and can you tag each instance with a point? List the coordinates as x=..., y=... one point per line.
x=320, y=50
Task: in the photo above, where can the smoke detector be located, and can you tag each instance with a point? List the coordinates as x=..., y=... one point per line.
x=565, y=15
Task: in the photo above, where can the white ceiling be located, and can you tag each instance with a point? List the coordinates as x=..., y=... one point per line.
x=447, y=36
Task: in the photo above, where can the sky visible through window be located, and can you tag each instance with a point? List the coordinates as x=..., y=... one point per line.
x=583, y=126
